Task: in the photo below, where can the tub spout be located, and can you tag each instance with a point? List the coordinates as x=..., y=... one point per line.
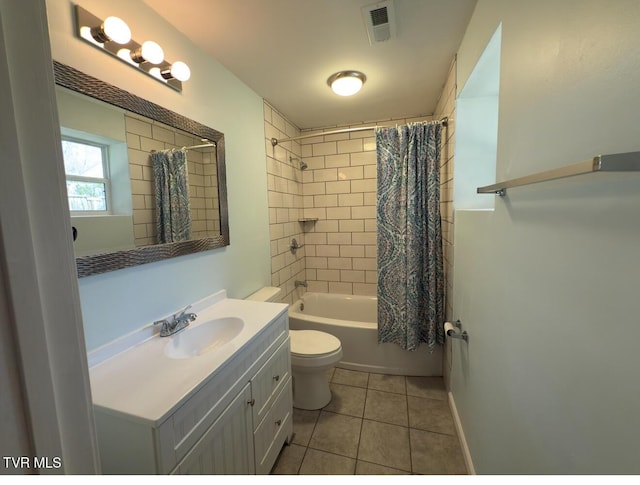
x=299, y=283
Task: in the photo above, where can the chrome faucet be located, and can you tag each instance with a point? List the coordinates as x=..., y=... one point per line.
x=299, y=283
x=175, y=323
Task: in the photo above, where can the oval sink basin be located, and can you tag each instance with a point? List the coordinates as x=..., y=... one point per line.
x=203, y=337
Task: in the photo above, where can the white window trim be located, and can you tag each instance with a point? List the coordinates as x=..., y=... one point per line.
x=106, y=167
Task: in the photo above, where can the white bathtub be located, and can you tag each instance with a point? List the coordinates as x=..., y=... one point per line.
x=353, y=319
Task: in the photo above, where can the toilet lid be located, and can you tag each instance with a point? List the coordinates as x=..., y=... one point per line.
x=312, y=343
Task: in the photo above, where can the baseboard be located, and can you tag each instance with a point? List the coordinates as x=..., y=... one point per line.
x=463, y=442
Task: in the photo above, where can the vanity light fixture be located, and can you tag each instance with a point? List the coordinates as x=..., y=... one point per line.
x=346, y=83
x=113, y=35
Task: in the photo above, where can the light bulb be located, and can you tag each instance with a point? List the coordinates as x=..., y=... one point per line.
x=85, y=33
x=117, y=30
x=346, y=86
x=346, y=83
x=152, y=52
x=180, y=71
x=155, y=72
x=125, y=55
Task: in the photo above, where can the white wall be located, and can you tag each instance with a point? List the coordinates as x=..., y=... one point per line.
x=119, y=302
x=547, y=285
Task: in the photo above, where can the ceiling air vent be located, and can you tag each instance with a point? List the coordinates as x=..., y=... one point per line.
x=379, y=19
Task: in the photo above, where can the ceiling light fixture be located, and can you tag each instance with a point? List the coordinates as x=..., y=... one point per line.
x=114, y=37
x=346, y=83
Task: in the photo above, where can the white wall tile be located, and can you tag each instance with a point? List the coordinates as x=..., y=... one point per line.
x=349, y=146
x=341, y=187
x=350, y=173
x=326, y=148
x=324, y=175
x=337, y=160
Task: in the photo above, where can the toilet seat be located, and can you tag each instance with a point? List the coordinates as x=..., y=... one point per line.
x=311, y=348
x=312, y=343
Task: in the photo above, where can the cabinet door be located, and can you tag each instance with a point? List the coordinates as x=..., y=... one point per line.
x=226, y=448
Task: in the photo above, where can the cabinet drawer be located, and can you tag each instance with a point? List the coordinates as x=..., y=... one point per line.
x=274, y=430
x=268, y=381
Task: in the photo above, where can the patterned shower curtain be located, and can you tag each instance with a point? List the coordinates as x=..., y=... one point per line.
x=410, y=265
x=173, y=211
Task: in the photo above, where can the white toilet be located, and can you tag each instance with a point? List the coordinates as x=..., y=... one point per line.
x=312, y=354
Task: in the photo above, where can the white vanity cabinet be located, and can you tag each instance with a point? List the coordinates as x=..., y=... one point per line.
x=234, y=422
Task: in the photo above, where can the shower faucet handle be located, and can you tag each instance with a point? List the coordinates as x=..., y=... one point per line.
x=295, y=246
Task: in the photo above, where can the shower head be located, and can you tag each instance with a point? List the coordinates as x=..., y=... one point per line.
x=303, y=165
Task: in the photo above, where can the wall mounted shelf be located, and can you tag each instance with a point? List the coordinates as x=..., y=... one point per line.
x=617, y=162
x=304, y=220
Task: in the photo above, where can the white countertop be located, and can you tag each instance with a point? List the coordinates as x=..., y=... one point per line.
x=143, y=383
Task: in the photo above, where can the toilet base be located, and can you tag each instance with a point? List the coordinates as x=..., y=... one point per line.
x=310, y=389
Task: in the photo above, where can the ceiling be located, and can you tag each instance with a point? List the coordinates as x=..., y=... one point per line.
x=286, y=49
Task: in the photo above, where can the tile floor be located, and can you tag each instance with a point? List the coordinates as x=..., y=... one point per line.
x=375, y=425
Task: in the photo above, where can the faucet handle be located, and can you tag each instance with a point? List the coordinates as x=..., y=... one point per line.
x=164, y=330
x=181, y=313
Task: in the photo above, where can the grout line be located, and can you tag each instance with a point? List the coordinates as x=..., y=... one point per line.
x=364, y=409
x=409, y=425
x=335, y=454
x=306, y=448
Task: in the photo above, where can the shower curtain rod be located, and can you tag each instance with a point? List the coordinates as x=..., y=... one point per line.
x=206, y=145
x=275, y=141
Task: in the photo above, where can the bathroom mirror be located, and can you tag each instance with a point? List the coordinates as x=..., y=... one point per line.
x=109, y=137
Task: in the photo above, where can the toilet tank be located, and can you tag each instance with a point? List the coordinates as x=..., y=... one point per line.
x=268, y=293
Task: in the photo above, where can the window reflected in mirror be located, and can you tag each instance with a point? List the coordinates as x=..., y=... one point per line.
x=87, y=172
